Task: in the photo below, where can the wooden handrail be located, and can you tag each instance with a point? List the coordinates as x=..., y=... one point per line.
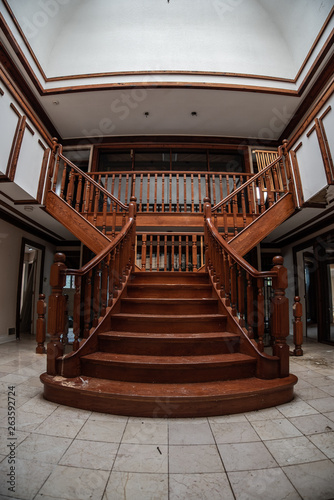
x=89, y=179
x=245, y=184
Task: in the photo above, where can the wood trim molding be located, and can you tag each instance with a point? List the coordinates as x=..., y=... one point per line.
x=1, y=92
x=159, y=72
x=42, y=175
x=296, y=171
x=15, y=149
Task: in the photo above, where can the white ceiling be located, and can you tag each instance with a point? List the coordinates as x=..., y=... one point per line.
x=238, y=39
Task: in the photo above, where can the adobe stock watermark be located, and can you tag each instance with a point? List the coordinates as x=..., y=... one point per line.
x=223, y=7
x=40, y=18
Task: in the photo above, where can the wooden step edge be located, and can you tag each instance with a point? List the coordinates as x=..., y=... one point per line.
x=170, y=285
x=169, y=317
x=170, y=336
x=171, y=300
x=168, y=400
x=154, y=361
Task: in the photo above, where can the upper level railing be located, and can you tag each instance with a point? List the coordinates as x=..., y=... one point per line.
x=82, y=192
x=255, y=195
x=167, y=192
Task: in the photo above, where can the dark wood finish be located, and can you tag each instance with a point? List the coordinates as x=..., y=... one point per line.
x=40, y=325
x=15, y=149
x=42, y=175
x=297, y=327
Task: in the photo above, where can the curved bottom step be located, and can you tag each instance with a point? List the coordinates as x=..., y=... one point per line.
x=168, y=400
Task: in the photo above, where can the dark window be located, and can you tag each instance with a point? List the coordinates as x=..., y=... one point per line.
x=227, y=161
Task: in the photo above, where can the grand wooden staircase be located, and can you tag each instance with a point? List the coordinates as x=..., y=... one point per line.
x=167, y=344
x=169, y=352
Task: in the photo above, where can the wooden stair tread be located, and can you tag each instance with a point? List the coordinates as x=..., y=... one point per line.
x=168, y=317
x=137, y=390
x=162, y=361
x=171, y=301
x=172, y=336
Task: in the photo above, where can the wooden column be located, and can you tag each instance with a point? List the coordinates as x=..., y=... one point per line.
x=56, y=312
x=297, y=328
x=280, y=315
x=40, y=324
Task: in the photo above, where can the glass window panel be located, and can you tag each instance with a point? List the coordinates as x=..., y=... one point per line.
x=227, y=161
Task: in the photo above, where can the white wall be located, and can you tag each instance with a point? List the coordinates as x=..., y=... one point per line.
x=30, y=159
x=10, y=248
x=263, y=37
x=311, y=166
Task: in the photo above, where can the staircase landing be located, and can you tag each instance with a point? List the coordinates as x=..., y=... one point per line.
x=167, y=352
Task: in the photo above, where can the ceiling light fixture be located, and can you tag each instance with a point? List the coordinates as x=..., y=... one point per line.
x=28, y=208
x=146, y=114
x=55, y=103
x=194, y=113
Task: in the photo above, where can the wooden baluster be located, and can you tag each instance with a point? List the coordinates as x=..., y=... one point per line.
x=70, y=187
x=221, y=192
x=228, y=192
x=63, y=181
x=227, y=278
x=280, y=315
x=243, y=206
x=241, y=296
x=177, y=193
x=140, y=192
x=91, y=197
x=200, y=206
x=148, y=193
x=40, y=324
x=187, y=253
x=158, y=252
x=225, y=208
x=78, y=194
x=126, y=188
x=117, y=281
x=276, y=184
x=282, y=171
x=65, y=332
x=202, y=251
x=172, y=252
x=121, y=266
x=104, y=288
x=56, y=312
x=163, y=193
x=49, y=184
x=151, y=252
x=233, y=274
x=250, y=306
x=214, y=189
x=235, y=207
x=165, y=250
x=194, y=252
x=55, y=179
x=96, y=206
x=192, y=193
x=170, y=191
x=88, y=304
x=155, y=192
x=261, y=194
x=112, y=189
x=184, y=192
x=143, y=252
x=120, y=177
x=86, y=199
x=251, y=201
x=112, y=268
x=297, y=327
x=76, y=312
x=287, y=166
x=104, y=213
x=180, y=253
x=260, y=314
x=270, y=195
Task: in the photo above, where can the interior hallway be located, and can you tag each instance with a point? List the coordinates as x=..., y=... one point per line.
x=280, y=453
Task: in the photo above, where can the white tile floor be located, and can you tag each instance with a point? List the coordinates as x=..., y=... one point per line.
x=285, y=452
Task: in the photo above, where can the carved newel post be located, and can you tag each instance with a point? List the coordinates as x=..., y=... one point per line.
x=40, y=324
x=297, y=327
x=56, y=312
x=280, y=315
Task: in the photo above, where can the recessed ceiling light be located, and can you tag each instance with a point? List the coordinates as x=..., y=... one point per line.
x=28, y=208
x=55, y=103
x=194, y=113
x=146, y=113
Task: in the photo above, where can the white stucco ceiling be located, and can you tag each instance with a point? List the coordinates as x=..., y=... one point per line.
x=99, y=40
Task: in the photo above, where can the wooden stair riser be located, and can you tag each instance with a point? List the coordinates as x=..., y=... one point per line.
x=168, y=373
x=171, y=346
x=165, y=278
x=172, y=324
x=158, y=290
x=169, y=306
